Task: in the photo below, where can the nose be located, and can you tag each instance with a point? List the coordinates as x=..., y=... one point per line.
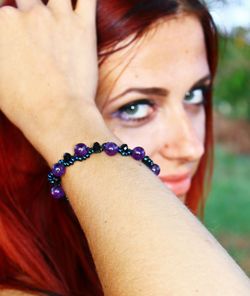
x=183, y=137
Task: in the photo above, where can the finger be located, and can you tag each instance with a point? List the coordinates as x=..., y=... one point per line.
x=25, y=5
x=86, y=9
x=60, y=6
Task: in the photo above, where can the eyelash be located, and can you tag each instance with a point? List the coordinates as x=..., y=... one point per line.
x=153, y=105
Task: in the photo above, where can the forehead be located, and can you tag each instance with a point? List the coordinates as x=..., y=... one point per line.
x=174, y=50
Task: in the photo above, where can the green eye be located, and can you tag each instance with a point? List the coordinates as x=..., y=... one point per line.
x=195, y=97
x=135, y=111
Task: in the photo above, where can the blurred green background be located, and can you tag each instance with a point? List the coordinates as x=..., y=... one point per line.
x=227, y=213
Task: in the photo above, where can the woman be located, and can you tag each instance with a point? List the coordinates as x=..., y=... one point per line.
x=43, y=247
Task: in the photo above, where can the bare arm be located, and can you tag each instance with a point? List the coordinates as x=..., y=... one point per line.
x=143, y=239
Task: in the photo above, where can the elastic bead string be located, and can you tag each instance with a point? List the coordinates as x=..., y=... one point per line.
x=83, y=152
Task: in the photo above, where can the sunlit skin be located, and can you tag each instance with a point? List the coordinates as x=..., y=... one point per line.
x=168, y=73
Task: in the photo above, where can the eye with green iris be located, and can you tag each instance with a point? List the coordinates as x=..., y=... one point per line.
x=195, y=96
x=136, y=111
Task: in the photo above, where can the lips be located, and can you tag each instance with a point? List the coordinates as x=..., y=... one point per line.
x=179, y=184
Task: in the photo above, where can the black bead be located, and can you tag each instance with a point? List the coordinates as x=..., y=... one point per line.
x=124, y=150
x=124, y=147
x=147, y=161
x=67, y=157
x=57, y=182
x=97, y=147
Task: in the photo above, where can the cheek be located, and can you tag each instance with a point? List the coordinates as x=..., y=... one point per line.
x=198, y=123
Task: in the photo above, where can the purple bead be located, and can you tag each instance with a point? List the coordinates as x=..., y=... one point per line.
x=156, y=169
x=58, y=170
x=138, y=153
x=111, y=148
x=81, y=150
x=57, y=192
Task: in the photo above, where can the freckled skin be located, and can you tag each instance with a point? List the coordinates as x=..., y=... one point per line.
x=171, y=56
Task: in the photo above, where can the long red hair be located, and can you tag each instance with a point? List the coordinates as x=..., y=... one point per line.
x=42, y=246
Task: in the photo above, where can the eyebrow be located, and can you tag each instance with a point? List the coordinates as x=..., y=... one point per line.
x=158, y=91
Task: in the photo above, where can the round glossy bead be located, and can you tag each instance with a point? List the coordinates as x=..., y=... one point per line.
x=111, y=148
x=81, y=150
x=57, y=192
x=58, y=170
x=156, y=169
x=138, y=153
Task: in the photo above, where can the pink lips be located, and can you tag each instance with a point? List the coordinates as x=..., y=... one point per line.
x=179, y=184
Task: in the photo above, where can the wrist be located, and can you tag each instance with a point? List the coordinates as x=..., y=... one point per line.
x=86, y=126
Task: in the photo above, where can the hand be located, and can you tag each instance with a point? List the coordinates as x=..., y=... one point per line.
x=48, y=62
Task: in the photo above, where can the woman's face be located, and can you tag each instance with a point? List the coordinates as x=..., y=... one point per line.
x=151, y=94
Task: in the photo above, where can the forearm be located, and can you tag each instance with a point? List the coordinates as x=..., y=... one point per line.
x=143, y=239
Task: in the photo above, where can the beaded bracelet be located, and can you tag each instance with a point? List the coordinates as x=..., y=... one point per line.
x=82, y=152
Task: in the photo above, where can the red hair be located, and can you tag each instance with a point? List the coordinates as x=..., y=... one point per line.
x=42, y=245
